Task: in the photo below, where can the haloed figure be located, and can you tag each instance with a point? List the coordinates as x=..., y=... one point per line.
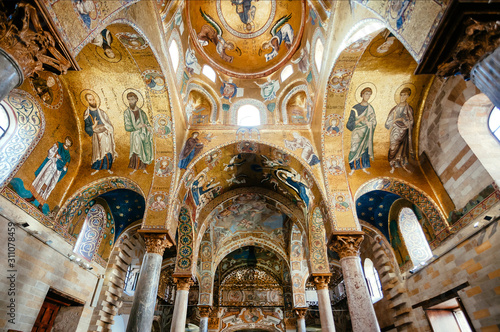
x=400, y=124
x=362, y=122
x=141, y=137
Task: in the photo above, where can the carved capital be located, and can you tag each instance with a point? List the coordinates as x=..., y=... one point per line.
x=183, y=283
x=24, y=37
x=204, y=310
x=478, y=40
x=320, y=281
x=347, y=244
x=300, y=312
x=156, y=243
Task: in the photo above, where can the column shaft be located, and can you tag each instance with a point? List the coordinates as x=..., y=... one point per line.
x=363, y=316
x=11, y=75
x=180, y=311
x=204, y=324
x=325, y=311
x=142, y=312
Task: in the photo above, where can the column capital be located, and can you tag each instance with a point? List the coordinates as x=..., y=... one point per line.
x=156, y=243
x=320, y=280
x=300, y=312
x=183, y=282
x=346, y=244
x=204, y=310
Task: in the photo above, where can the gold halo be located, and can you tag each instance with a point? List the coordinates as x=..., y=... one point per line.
x=140, y=101
x=379, y=40
x=84, y=101
x=411, y=86
x=361, y=87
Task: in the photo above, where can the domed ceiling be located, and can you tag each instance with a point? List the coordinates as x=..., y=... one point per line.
x=246, y=38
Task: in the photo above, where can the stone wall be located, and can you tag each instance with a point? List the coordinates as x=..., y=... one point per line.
x=471, y=256
x=40, y=267
x=459, y=169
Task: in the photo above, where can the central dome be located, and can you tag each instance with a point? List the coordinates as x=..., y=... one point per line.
x=246, y=38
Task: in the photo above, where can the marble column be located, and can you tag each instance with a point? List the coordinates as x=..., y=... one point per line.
x=363, y=316
x=324, y=304
x=301, y=319
x=204, y=313
x=11, y=75
x=181, y=302
x=486, y=75
x=143, y=306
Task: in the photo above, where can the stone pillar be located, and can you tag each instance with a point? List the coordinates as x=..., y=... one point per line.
x=363, y=316
x=183, y=282
x=301, y=319
x=11, y=75
x=486, y=75
x=143, y=306
x=204, y=313
x=324, y=305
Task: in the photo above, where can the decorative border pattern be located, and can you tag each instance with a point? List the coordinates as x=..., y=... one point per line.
x=185, y=244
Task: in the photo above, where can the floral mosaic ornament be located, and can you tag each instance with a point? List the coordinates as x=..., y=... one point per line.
x=185, y=246
x=164, y=167
x=158, y=201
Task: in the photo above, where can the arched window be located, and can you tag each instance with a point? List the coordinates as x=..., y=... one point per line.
x=318, y=54
x=286, y=73
x=494, y=122
x=373, y=281
x=91, y=233
x=414, y=237
x=173, y=50
x=209, y=72
x=248, y=116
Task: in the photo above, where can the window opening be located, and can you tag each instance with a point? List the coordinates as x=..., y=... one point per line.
x=448, y=316
x=414, y=237
x=373, y=281
x=209, y=72
x=318, y=54
x=286, y=73
x=91, y=233
x=173, y=50
x=248, y=116
x=494, y=122
x=131, y=279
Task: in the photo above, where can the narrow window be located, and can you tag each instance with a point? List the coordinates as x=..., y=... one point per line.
x=318, y=54
x=494, y=122
x=91, y=233
x=248, y=116
x=373, y=281
x=286, y=73
x=173, y=50
x=414, y=237
x=209, y=72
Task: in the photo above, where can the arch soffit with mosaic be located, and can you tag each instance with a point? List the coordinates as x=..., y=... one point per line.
x=413, y=194
x=305, y=166
x=289, y=92
x=375, y=234
x=85, y=194
x=206, y=90
x=246, y=241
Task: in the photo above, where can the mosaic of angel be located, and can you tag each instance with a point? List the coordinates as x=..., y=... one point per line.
x=280, y=32
x=212, y=32
x=300, y=142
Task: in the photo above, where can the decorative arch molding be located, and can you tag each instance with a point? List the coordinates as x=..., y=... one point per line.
x=414, y=195
x=248, y=240
x=186, y=259
x=291, y=93
x=293, y=211
x=378, y=238
x=473, y=127
x=318, y=257
x=85, y=194
x=357, y=27
x=192, y=86
x=233, y=111
x=29, y=125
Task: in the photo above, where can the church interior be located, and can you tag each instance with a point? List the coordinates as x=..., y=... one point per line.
x=250, y=165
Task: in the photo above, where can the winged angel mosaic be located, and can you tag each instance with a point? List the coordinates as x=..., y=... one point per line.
x=212, y=32
x=280, y=32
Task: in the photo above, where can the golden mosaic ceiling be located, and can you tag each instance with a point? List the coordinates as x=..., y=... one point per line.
x=246, y=38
